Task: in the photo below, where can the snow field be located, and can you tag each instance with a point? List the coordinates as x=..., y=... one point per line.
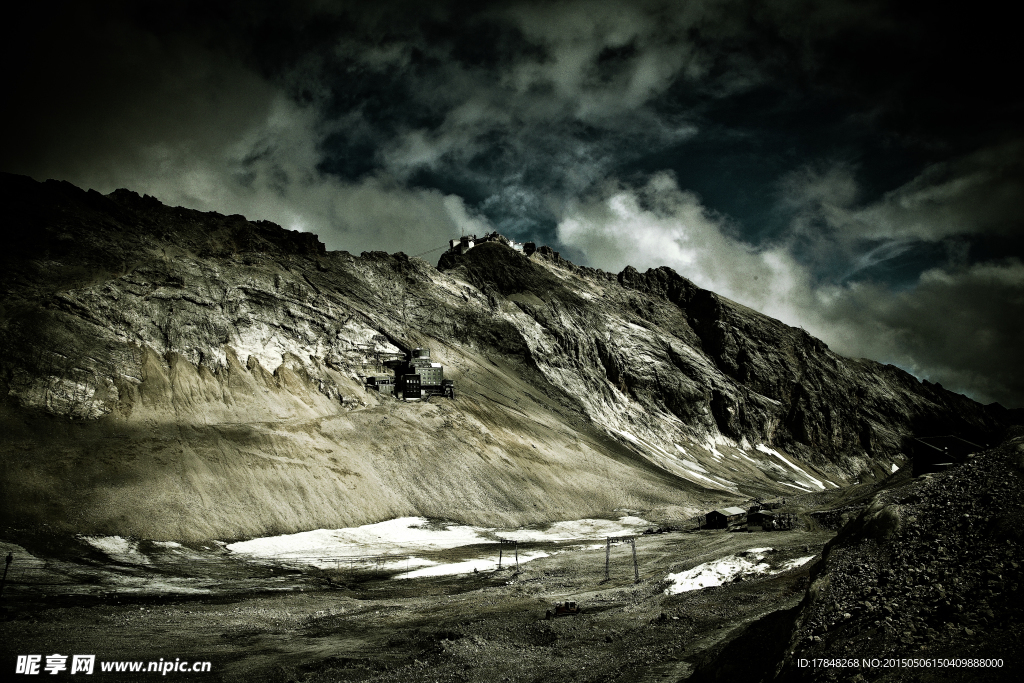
x=718, y=572
x=392, y=545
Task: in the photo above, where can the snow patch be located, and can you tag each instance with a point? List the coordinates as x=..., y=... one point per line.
x=670, y=462
x=694, y=466
x=117, y=548
x=396, y=536
x=714, y=451
x=798, y=562
x=895, y=469
x=747, y=457
x=714, y=484
x=392, y=545
x=771, y=451
x=578, y=530
x=466, y=567
x=721, y=440
x=718, y=572
x=626, y=435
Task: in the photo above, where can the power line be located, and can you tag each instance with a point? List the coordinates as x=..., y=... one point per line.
x=443, y=246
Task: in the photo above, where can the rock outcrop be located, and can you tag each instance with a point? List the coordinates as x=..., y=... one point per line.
x=931, y=570
x=170, y=373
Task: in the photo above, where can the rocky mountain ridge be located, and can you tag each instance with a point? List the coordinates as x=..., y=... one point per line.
x=170, y=373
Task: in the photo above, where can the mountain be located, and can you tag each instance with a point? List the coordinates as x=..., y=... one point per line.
x=173, y=374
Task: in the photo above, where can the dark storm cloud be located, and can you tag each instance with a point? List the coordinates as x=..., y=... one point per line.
x=979, y=192
x=93, y=93
x=515, y=106
x=844, y=166
x=963, y=327
x=185, y=108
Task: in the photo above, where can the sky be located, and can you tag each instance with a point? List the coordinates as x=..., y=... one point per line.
x=852, y=168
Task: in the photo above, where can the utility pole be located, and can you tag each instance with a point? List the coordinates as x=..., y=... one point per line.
x=3, y=581
x=514, y=544
x=607, y=555
x=608, y=550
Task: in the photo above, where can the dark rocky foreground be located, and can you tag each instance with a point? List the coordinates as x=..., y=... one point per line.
x=931, y=570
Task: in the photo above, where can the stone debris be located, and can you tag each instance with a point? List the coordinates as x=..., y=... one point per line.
x=931, y=569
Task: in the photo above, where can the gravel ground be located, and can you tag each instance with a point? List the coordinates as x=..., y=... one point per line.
x=484, y=627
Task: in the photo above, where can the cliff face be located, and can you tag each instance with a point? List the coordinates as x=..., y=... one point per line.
x=654, y=355
x=170, y=373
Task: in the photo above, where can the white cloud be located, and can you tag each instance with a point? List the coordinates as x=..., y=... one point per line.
x=963, y=327
x=661, y=225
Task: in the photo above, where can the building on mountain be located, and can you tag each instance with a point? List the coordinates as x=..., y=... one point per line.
x=467, y=242
x=763, y=520
x=416, y=376
x=723, y=517
x=756, y=520
x=936, y=453
x=384, y=384
x=462, y=245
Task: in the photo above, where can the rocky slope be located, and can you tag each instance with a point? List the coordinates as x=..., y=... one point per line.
x=931, y=570
x=169, y=373
x=635, y=345
x=923, y=585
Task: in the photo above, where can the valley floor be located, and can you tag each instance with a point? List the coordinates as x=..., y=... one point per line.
x=316, y=625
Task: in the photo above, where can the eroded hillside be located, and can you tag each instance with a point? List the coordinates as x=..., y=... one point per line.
x=169, y=373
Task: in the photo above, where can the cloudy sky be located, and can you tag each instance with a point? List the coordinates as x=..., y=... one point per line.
x=854, y=168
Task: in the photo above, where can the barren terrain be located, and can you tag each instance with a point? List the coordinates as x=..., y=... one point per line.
x=187, y=376
x=340, y=625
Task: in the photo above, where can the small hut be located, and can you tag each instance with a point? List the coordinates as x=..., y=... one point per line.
x=756, y=521
x=723, y=517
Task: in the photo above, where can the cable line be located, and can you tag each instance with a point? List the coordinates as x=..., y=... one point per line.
x=443, y=246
